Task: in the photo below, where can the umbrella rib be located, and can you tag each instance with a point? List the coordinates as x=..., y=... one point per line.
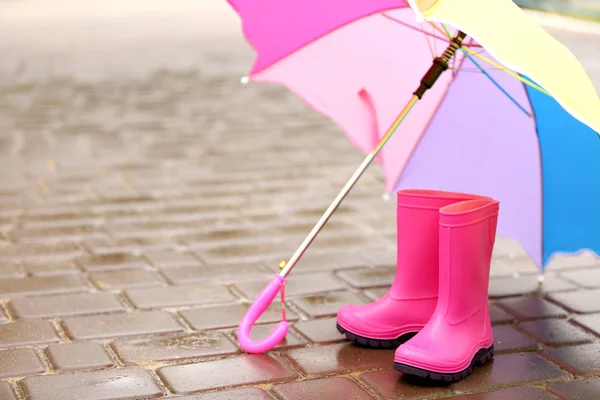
x=498, y=85
x=513, y=74
x=466, y=49
x=433, y=35
x=435, y=43
x=429, y=44
x=466, y=69
x=480, y=68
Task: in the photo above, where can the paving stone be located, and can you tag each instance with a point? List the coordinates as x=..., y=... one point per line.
x=255, y=252
x=37, y=252
x=584, y=389
x=502, y=267
x=170, y=259
x=579, y=360
x=554, y=283
x=227, y=373
x=338, y=358
x=230, y=316
x=99, y=247
x=303, y=227
x=582, y=301
x=175, y=347
x=121, y=200
x=74, y=232
x=327, y=304
x=262, y=331
x=507, y=338
x=339, y=240
x=125, y=279
x=525, y=393
x=41, y=285
x=556, y=332
x=531, y=307
x=573, y=261
x=129, y=324
x=50, y=269
x=511, y=286
x=319, y=261
x=7, y=392
x=78, y=355
x=312, y=212
x=111, y=384
x=526, y=284
x=191, y=199
x=56, y=215
x=509, y=248
x=146, y=228
x=390, y=385
x=380, y=258
x=112, y=261
x=178, y=296
x=233, y=236
x=587, y=278
x=66, y=305
x=509, y=369
x=336, y=389
x=25, y=333
x=10, y=271
x=320, y=330
x=376, y=293
x=499, y=316
x=229, y=274
x=251, y=393
x=19, y=362
x=266, y=219
x=590, y=322
x=3, y=317
x=369, y=277
x=301, y=285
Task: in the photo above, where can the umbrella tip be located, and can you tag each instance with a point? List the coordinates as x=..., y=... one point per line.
x=540, y=278
x=385, y=197
x=244, y=80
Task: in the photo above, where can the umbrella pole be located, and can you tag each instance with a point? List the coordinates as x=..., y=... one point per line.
x=440, y=64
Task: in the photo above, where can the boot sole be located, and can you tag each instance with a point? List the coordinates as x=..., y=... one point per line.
x=375, y=343
x=480, y=358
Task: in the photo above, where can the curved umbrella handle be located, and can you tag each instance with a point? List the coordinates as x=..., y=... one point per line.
x=258, y=307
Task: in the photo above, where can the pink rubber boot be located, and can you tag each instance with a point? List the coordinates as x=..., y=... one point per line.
x=459, y=335
x=409, y=303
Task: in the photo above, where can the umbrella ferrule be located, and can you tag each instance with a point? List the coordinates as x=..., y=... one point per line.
x=440, y=64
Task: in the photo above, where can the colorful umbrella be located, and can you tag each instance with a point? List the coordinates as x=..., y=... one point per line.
x=514, y=119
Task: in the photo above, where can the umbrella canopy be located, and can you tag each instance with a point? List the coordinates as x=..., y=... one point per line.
x=526, y=135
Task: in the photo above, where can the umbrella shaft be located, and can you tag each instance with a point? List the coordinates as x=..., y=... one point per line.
x=346, y=189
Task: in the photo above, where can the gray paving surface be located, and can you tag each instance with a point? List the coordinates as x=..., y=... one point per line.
x=146, y=196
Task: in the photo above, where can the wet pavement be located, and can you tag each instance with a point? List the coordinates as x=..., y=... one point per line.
x=146, y=196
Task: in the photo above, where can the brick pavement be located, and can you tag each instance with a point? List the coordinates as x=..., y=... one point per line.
x=140, y=216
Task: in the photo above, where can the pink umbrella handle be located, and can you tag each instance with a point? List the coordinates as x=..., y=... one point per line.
x=258, y=307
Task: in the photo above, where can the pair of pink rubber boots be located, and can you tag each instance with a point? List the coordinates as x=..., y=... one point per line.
x=436, y=310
